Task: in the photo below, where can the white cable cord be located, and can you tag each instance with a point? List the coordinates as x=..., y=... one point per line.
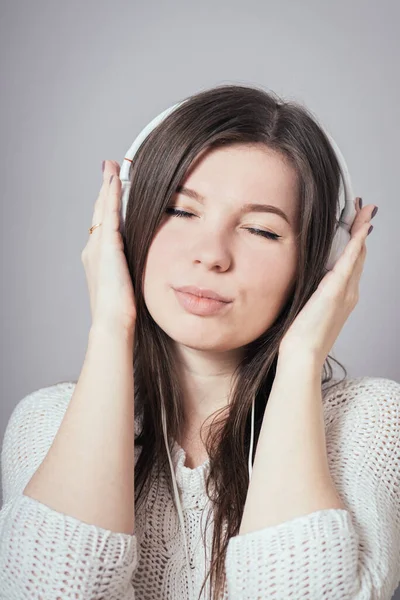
x=176, y=492
x=177, y=499
x=250, y=466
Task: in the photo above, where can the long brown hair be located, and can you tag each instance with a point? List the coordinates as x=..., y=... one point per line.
x=222, y=116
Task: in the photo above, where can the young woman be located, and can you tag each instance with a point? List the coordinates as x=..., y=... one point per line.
x=89, y=508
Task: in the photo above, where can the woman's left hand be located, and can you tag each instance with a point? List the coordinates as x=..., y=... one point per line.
x=317, y=326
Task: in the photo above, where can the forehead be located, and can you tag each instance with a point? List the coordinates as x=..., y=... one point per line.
x=245, y=173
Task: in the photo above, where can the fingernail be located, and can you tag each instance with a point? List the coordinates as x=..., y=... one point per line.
x=374, y=212
x=111, y=178
x=103, y=165
x=370, y=229
x=360, y=202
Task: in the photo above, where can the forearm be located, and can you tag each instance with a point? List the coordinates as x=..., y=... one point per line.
x=290, y=476
x=88, y=472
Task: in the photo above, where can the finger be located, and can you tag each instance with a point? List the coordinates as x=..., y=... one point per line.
x=110, y=168
x=363, y=216
x=358, y=253
x=117, y=167
x=112, y=206
x=355, y=278
x=360, y=259
x=97, y=216
x=355, y=250
x=356, y=243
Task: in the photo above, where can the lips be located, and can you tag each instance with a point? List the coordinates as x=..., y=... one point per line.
x=203, y=293
x=201, y=306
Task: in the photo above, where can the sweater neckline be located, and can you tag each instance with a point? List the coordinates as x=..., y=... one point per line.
x=191, y=482
x=181, y=456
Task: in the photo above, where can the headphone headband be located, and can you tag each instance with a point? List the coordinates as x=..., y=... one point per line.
x=345, y=214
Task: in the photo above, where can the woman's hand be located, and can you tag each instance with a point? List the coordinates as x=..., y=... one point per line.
x=112, y=298
x=316, y=327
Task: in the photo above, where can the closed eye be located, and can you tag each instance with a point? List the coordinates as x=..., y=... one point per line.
x=182, y=213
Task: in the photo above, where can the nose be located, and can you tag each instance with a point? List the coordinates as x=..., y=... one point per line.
x=212, y=250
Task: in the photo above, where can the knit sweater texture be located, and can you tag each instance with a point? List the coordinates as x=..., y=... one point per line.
x=330, y=554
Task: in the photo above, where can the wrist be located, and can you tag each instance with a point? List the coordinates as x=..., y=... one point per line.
x=299, y=363
x=112, y=330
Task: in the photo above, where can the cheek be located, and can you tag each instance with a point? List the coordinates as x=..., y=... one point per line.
x=159, y=263
x=268, y=282
x=160, y=253
x=266, y=285
x=271, y=272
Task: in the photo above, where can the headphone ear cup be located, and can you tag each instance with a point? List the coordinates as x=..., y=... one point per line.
x=340, y=241
x=130, y=155
x=125, y=190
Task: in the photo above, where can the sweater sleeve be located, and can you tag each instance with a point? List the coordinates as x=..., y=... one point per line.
x=336, y=554
x=45, y=554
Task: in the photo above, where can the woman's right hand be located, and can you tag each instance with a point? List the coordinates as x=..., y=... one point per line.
x=112, y=298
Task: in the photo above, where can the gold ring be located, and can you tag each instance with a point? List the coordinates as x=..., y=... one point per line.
x=94, y=227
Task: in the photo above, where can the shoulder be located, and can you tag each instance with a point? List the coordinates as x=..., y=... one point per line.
x=357, y=395
x=47, y=404
x=29, y=433
x=362, y=418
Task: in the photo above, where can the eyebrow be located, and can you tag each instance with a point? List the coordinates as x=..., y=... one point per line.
x=248, y=207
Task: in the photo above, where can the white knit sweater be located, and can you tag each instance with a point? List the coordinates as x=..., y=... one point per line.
x=325, y=555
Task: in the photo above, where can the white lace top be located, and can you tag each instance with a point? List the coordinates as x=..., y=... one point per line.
x=328, y=554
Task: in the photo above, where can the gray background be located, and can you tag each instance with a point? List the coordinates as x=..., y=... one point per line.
x=79, y=80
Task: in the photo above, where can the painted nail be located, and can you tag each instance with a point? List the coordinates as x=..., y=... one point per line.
x=370, y=229
x=374, y=212
x=111, y=178
x=103, y=165
x=360, y=202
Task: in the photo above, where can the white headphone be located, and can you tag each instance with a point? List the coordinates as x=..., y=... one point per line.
x=345, y=217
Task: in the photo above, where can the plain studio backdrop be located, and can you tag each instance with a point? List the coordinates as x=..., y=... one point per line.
x=79, y=80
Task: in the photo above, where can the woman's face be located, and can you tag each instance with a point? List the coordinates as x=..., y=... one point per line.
x=216, y=249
